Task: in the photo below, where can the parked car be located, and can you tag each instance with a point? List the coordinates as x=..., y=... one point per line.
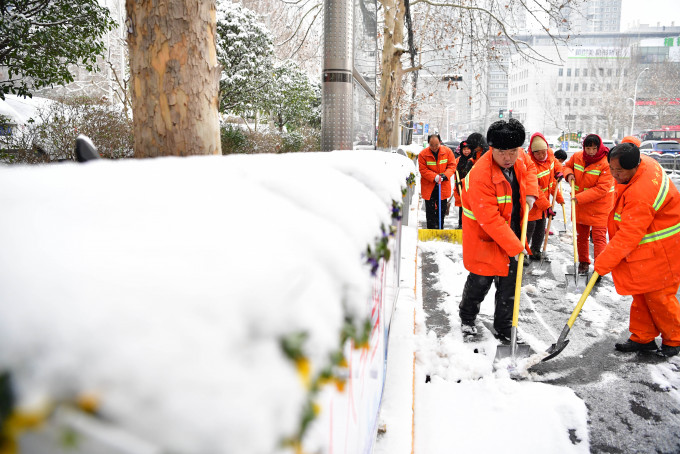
x=660, y=146
x=453, y=145
x=609, y=143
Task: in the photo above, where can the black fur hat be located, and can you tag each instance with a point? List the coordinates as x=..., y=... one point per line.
x=504, y=135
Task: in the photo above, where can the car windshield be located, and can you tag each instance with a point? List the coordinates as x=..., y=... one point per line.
x=668, y=146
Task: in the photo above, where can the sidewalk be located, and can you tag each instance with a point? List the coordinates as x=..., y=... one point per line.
x=466, y=406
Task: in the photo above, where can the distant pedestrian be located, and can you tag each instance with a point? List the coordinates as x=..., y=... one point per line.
x=461, y=172
x=594, y=197
x=437, y=166
x=561, y=155
x=494, y=199
x=642, y=255
x=549, y=173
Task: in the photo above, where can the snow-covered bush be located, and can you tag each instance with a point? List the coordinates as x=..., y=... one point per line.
x=50, y=136
x=245, y=50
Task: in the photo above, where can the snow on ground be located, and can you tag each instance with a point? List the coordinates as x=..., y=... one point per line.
x=164, y=286
x=468, y=406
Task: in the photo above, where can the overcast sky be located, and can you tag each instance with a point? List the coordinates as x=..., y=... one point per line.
x=650, y=12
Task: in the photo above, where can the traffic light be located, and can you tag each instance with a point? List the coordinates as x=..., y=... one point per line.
x=579, y=135
x=510, y=113
x=500, y=113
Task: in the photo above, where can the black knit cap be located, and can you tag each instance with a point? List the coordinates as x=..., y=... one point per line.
x=628, y=155
x=504, y=135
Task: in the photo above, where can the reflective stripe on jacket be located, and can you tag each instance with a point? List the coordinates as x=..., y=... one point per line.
x=488, y=240
x=643, y=253
x=594, y=189
x=430, y=168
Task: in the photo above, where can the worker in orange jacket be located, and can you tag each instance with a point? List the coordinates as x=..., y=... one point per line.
x=461, y=167
x=594, y=196
x=437, y=165
x=495, y=192
x=644, y=232
x=549, y=173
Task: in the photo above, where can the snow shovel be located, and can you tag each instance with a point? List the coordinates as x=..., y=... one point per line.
x=513, y=350
x=568, y=276
x=449, y=235
x=556, y=348
x=547, y=230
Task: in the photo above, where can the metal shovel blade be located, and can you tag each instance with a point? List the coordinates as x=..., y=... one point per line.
x=576, y=283
x=505, y=351
x=555, y=349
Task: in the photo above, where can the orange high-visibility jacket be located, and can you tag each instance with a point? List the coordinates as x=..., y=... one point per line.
x=643, y=253
x=430, y=168
x=545, y=173
x=488, y=240
x=594, y=186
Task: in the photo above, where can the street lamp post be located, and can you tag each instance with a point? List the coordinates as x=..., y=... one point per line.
x=448, y=137
x=632, y=120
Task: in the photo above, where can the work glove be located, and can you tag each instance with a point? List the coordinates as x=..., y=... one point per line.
x=550, y=213
x=559, y=176
x=444, y=177
x=530, y=201
x=525, y=252
x=437, y=179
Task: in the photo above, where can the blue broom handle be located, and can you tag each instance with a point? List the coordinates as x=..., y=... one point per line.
x=439, y=204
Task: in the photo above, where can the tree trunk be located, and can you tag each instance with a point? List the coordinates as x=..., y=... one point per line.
x=390, y=82
x=175, y=77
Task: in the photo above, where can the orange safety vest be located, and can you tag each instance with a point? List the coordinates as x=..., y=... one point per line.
x=430, y=168
x=644, y=231
x=594, y=186
x=488, y=240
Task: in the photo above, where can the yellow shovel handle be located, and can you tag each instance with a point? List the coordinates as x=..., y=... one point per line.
x=573, y=220
x=520, y=266
x=582, y=300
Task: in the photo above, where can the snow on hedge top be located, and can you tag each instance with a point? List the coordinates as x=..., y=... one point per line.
x=165, y=285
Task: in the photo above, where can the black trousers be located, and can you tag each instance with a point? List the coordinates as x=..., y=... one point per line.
x=432, y=209
x=475, y=290
x=536, y=234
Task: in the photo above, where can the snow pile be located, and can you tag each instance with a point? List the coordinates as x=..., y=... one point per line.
x=164, y=287
x=500, y=415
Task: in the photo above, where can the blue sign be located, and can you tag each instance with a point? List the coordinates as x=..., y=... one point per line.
x=565, y=145
x=418, y=129
x=427, y=128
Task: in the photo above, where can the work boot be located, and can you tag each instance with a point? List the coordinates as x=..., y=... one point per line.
x=504, y=337
x=632, y=346
x=583, y=268
x=468, y=328
x=668, y=351
x=535, y=255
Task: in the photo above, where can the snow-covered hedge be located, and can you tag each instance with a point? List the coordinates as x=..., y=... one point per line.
x=196, y=301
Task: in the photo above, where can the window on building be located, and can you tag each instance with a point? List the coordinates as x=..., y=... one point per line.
x=559, y=101
x=618, y=72
x=601, y=71
x=592, y=87
x=609, y=72
x=575, y=87
x=567, y=102
x=585, y=72
x=592, y=101
x=560, y=72
x=576, y=72
x=568, y=72
x=625, y=73
x=584, y=87
x=568, y=87
x=559, y=87
x=609, y=87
